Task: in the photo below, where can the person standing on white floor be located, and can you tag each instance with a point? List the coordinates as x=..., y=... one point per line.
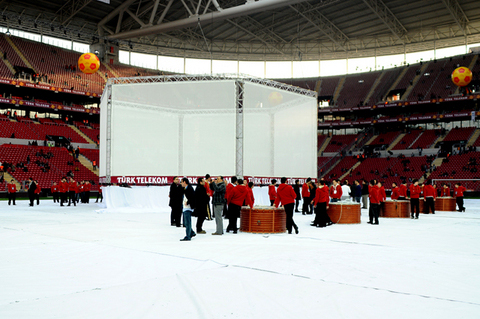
x=188, y=207
x=218, y=201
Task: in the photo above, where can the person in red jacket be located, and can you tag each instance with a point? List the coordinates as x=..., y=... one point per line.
x=37, y=192
x=430, y=195
x=250, y=200
x=79, y=191
x=235, y=201
x=415, y=199
x=63, y=190
x=12, y=192
x=286, y=195
x=208, y=181
x=272, y=193
x=335, y=191
x=395, y=192
x=72, y=188
x=87, y=187
x=459, y=189
x=374, y=195
x=445, y=191
x=383, y=194
x=306, y=196
x=402, y=191
x=321, y=205
x=54, y=190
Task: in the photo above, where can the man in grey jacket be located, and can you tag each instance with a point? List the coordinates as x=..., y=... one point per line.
x=218, y=202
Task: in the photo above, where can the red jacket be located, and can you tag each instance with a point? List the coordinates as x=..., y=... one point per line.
x=321, y=196
x=88, y=187
x=271, y=192
x=37, y=190
x=415, y=191
x=395, y=193
x=72, y=187
x=445, y=191
x=305, y=191
x=239, y=194
x=229, y=192
x=336, y=191
x=402, y=191
x=12, y=188
x=250, y=200
x=54, y=188
x=383, y=195
x=285, y=194
x=374, y=195
x=63, y=187
x=207, y=187
x=429, y=191
x=459, y=191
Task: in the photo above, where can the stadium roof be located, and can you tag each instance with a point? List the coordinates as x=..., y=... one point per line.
x=255, y=30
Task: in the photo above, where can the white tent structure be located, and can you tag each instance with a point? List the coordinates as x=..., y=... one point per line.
x=189, y=125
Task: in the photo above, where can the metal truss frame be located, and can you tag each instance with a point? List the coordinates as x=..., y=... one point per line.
x=108, y=146
x=218, y=77
x=239, y=92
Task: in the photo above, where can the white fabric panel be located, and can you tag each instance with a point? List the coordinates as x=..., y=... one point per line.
x=209, y=144
x=173, y=128
x=145, y=142
x=141, y=199
x=294, y=144
x=258, y=142
x=280, y=133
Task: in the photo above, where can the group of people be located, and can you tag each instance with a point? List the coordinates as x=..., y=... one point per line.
x=71, y=192
x=227, y=200
x=33, y=191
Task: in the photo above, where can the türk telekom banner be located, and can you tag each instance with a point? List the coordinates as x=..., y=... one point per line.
x=46, y=105
x=46, y=87
x=167, y=180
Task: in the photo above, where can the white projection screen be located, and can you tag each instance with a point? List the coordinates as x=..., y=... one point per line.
x=190, y=128
x=280, y=133
x=167, y=129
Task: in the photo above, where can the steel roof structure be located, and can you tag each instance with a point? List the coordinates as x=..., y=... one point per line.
x=288, y=30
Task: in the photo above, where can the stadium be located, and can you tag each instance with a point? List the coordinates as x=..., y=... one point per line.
x=355, y=90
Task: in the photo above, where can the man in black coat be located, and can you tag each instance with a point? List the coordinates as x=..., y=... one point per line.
x=296, y=188
x=313, y=190
x=31, y=190
x=201, y=202
x=188, y=207
x=176, y=197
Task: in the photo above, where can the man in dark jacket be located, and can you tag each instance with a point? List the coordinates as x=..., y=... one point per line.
x=176, y=197
x=201, y=203
x=364, y=194
x=296, y=188
x=188, y=206
x=31, y=190
x=218, y=201
x=313, y=190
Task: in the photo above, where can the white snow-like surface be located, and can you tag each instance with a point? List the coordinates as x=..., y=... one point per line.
x=86, y=262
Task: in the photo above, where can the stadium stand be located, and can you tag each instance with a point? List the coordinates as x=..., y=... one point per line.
x=47, y=164
x=407, y=140
x=339, y=141
x=356, y=88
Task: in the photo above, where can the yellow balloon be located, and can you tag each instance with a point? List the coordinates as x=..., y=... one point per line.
x=88, y=63
x=462, y=76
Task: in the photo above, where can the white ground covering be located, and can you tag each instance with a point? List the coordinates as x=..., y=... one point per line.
x=84, y=262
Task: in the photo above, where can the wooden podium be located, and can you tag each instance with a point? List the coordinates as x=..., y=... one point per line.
x=344, y=212
x=263, y=219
